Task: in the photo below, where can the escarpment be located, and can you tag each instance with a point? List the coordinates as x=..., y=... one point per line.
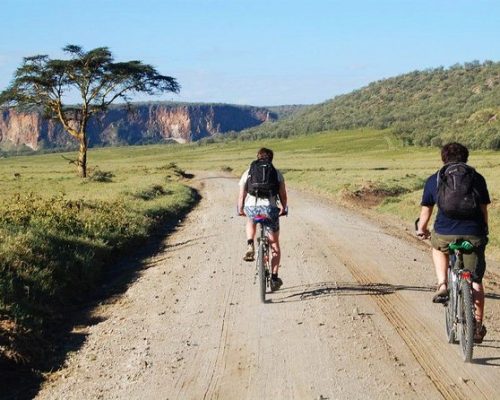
x=139, y=124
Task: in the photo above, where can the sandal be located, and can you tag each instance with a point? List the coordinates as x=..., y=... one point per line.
x=441, y=295
x=479, y=332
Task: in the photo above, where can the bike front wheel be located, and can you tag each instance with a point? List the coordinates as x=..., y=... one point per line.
x=261, y=272
x=466, y=316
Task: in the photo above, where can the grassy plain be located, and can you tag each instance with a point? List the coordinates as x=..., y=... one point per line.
x=346, y=166
x=59, y=233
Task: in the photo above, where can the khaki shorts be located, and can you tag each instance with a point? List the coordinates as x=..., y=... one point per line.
x=474, y=260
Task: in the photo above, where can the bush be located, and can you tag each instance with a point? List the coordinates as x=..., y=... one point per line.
x=101, y=176
x=53, y=251
x=152, y=193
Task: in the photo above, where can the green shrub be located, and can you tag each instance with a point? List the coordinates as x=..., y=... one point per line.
x=101, y=176
x=53, y=250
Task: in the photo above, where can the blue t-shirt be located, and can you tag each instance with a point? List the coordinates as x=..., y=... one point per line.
x=449, y=226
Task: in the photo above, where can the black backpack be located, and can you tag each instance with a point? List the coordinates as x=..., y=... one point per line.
x=262, y=179
x=457, y=197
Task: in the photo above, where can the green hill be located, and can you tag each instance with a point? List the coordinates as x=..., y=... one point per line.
x=422, y=107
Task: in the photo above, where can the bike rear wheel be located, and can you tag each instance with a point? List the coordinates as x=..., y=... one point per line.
x=451, y=309
x=261, y=272
x=466, y=316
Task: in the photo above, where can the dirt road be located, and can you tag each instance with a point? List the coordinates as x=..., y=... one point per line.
x=353, y=319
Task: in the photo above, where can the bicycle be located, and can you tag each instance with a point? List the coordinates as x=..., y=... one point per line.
x=263, y=260
x=459, y=314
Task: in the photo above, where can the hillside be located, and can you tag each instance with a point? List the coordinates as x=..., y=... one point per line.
x=422, y=107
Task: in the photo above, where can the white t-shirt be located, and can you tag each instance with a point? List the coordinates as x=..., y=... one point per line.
x=259, y=201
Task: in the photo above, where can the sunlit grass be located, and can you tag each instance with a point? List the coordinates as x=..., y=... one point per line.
x=329, y=163
x=60, y=233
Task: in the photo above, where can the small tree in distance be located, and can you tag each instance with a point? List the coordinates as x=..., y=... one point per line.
x=43, y=83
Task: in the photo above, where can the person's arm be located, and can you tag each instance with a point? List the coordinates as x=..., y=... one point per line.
x=484, y=198
x=484, y=210
x=427, y=203
x=283, y=198
x=241, y=200
x=425, y=217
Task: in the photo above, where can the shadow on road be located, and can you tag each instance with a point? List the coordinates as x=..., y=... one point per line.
x=322, y=289
x=488, y=361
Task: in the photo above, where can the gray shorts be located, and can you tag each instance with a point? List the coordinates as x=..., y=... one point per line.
x=474, y=260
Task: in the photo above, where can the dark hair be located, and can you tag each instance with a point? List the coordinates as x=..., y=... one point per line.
x=264, y=153
x=454, y=152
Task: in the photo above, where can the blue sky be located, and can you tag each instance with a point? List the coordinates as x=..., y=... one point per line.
x=254, y=51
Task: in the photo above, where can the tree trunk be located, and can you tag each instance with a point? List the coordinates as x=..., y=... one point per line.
x=82, y=158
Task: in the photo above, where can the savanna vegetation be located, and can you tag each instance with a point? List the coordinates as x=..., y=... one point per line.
x=431, y=107
x=60, y=236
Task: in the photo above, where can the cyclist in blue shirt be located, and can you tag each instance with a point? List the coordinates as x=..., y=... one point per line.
x=447, y=230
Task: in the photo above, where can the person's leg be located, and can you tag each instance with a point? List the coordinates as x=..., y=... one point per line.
x=274, y=241
x=478, y=294
x=441, y=266
x=251, y=228
x=440, y=256
x=476, y=262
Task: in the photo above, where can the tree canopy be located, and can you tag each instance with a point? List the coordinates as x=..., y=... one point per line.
x=45, y=84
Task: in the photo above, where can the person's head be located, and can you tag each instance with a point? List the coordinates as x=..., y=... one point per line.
x=265, y=154
x=454, y=152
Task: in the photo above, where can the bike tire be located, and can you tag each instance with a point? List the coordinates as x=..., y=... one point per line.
x=451, y=309
x=466, y=316
x=261, y=271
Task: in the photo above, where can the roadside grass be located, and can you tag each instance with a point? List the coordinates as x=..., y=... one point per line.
x=346, y=166
x=59, y=234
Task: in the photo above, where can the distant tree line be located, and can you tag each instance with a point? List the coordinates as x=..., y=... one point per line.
x=427, y=107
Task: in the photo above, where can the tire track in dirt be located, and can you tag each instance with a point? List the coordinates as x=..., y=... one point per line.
x=369, y=265
x=420, y=340
x=220, y=360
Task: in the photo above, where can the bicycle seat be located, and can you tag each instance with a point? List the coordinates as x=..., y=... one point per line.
x=260, y=218
x=463, y=245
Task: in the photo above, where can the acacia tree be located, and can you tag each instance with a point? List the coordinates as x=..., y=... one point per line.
x=44, y=83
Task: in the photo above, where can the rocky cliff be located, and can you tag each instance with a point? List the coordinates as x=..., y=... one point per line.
x=142, y=123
